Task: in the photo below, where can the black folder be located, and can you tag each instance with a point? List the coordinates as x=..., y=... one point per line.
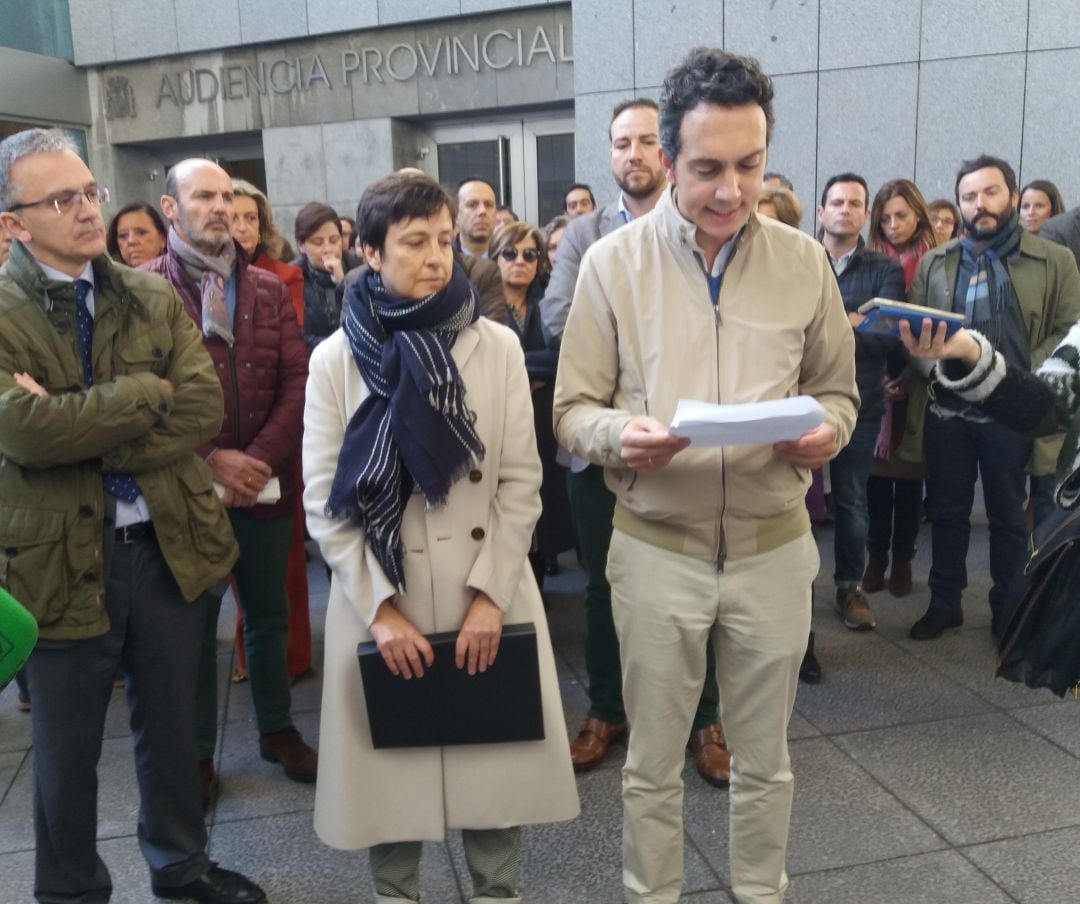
x=450, y=706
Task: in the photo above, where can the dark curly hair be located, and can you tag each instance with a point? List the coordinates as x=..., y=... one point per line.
x=986, y=161
x=715, y=77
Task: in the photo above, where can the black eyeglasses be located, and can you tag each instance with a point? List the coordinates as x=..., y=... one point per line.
x=531, y=255
x=97, y=196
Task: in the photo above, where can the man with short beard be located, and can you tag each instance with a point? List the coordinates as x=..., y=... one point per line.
x=1023, y=294
x=635, y=166
x=249, y=328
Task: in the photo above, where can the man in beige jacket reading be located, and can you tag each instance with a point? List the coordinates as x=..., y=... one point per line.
x=698, y=299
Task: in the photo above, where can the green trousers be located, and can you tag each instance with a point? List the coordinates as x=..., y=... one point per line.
x=592, y=505
x=260, y=585
x=493, y=855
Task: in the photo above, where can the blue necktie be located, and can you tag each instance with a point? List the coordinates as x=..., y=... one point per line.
x=122, y=486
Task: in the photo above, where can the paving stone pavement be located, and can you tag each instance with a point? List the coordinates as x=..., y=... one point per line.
x=919, y=777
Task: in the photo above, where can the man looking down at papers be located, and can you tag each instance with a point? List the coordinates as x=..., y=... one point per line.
x=699, y=299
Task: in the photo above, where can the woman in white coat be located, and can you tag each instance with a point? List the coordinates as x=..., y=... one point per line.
x=422, y=490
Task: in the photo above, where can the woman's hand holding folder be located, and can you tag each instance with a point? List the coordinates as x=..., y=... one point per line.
x=407, y=652
x=478, y=640
x=404, y=649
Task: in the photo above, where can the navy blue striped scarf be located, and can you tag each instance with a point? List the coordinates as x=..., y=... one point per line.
x=989, y=291
x=414, y=427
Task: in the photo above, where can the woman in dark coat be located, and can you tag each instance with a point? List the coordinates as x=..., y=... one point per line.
x=518, y=248
x=901, y=227
x=318, y=236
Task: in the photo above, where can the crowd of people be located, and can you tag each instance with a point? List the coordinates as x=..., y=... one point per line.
x=445, y=399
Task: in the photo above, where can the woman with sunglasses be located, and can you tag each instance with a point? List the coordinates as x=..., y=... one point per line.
x=421, y=490
x=520, y=252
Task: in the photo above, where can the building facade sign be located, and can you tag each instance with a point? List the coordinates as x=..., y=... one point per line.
x=469, y=63
x=402, y=62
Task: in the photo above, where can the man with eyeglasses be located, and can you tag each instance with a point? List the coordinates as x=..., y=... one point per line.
x=111, y=530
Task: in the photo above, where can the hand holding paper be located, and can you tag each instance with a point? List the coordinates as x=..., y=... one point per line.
x=752, y=423
x=646, y=444
x=271, y=492
x=811, y=450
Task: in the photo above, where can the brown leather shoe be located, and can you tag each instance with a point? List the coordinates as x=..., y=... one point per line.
x=590, y=747
x=299, y=761
x=207, y=783
x=711, y=755
x=873, y=578
x=900, y=577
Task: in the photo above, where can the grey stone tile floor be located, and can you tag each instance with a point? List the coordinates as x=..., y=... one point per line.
x=919, y=777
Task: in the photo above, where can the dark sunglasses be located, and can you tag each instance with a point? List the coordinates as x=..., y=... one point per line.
x=531, y=255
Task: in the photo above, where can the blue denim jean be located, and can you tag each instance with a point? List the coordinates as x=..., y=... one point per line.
x=850, y=471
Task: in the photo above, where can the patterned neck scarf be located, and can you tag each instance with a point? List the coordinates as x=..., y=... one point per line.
x=989, y=290
x=210, y=273
x=414, y=427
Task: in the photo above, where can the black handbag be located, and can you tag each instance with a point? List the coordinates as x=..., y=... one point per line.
x=1040, y=646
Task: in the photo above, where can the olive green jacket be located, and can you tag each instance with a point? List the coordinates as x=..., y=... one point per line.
x=1047, y=286
x=54, y=448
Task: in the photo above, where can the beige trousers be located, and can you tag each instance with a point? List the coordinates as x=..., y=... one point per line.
x=757, y=609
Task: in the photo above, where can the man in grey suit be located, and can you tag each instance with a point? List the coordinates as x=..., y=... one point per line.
x=635, y=165
x=1064, y=229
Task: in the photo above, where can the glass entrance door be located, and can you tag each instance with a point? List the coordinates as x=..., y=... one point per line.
x=530, y=162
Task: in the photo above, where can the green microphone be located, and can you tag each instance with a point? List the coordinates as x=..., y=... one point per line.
x=18, y=634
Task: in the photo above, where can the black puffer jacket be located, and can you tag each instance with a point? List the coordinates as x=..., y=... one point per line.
x=322, y=303
x=870, y=274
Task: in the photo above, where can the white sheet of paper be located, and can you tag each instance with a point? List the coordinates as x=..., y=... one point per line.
x=707, y=425
x=270, y=493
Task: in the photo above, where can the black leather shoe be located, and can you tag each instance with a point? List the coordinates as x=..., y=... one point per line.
x=810, y=670
x=215, y=886
x=933, y=624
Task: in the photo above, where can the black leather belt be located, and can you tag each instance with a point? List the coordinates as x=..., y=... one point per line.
x=132, y=533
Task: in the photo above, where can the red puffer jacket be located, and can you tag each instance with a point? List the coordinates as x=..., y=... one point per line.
x=262, y=376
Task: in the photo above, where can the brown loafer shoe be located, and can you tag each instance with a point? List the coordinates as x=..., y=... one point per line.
x=873, y=578
x=900, y=577
x=300, y=762
x=711, y=755
x=590, y=747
